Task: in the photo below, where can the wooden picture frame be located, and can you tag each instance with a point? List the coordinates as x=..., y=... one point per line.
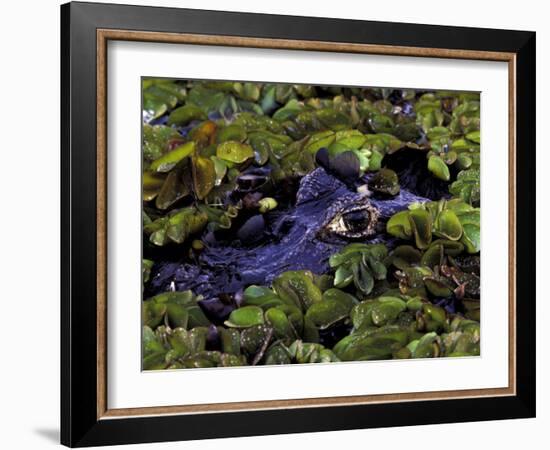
x=86, y=418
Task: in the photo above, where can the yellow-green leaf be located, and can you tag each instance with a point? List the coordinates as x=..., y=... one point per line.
x=234, y=151
x=167, y=162
x=204, y=176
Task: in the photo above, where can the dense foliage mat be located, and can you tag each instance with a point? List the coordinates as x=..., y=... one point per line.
x=301, y=224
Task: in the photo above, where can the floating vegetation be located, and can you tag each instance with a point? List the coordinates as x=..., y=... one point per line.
x=293, y=224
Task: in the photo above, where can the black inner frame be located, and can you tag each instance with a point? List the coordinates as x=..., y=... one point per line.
x=79, y=424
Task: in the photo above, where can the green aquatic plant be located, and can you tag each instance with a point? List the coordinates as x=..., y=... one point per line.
x=453, y=220
x=467, y=186
x=160, y=95
x=179, y=309
x=177, y=348
x=177, y=226
x=360, y=264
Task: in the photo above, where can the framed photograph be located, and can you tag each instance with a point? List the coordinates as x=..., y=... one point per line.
x=277, y=224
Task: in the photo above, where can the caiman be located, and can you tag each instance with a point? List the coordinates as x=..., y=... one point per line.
x=327, y=214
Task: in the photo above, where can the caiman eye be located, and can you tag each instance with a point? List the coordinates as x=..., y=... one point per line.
x=353, y=222
x=356, y=221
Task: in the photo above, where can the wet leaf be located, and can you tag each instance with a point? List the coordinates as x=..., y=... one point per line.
x=256, y=337
x=421, y=225
x=276, y=355
x=204, y=176
x=363, y=279
x=247, y=91
x=185, y=114
x=427, y=346
x=168, y=161
x=234, y=151
x=172, y=190
x=471, y=238
x=439, y=168
x=261, y=296
x=334, y=120
x=337, y=295
x=180, y=307
x=474, y=136
x=160, y=96
x=176, y=227
x=297, y=288
x=328, y=312
x=206, y=99
x=152, y=183
x=448, y=226
x=290, y=110
x=305, y=352
x=350, y=139
x=246, y=316
x=319, y=140
x=230, y=340
x=280, y=323
x=404, y=256
x=156, y=139
x=432, y=255
x=369, y=345
x=438, y=288
x=386, y=309
x=385, y=181
x=220, y=167
x=343, y=277
x=400, y=226
x=204, y=133
x=467, y=186
x=232, y=133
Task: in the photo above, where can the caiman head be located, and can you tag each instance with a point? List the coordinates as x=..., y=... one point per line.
x=326, y=216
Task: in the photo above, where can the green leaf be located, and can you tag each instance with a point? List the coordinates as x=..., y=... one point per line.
x=261, y=296
x=172, y=190
x=208, y=100
x=156, y=139
x=350, y=139
x=474, y=136
x=343, y=277
x=400, y=226
x=280, y=323
x=421, y=224
x=185, y=114
x=231, y=133
x=471, y=238
x=234, y=151
x=386, y=309
x=168, y=161
x=437, y=166
x=296, y=287
x=204, y=176
x=290, y=110
x=246, y=316
x=467, y=186
x=447, y=225
x=363, y=279
x=319, y=140
x=247, y=91
x=152, y=184
x=326, y=313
